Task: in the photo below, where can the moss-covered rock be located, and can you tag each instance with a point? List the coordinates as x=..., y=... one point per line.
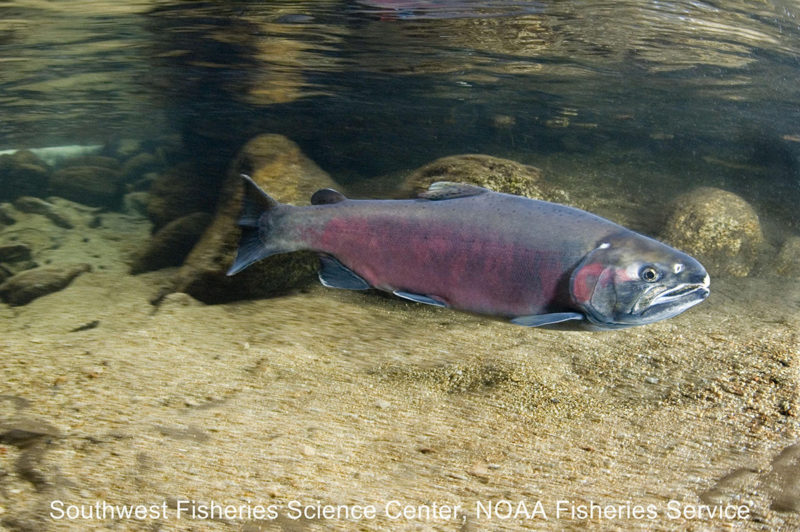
x=22, y=174
x=500, y=175
x=279, y=166
x=98, y=186
x=717, y=227
x=788, y=263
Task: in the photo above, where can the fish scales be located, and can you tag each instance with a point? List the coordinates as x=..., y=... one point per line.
x=478, y=264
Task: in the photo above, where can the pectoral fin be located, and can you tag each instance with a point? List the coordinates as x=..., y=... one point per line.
x=419, y=298
x=334, y=274
x=538, y=320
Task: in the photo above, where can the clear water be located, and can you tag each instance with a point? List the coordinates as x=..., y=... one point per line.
x=372, y=87
x=624, y=104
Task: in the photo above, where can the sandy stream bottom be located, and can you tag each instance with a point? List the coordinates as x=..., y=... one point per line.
x=350, y=398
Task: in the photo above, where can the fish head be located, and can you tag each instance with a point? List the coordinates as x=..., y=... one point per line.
x=630, y=280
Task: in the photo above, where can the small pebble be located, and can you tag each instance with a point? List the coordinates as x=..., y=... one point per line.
x=479, y=469
x=307, y=450
x=651, y=380
x=383, y=404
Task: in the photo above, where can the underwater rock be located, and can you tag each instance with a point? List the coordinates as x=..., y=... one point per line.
x=126, y=148
x=138, y=165
x=26, y=286
x=500, y=175
x=717, y=227
x=178, y=300
x=276, y=164
x=143, y=184
x=170, y=245
x=90, y=185
x=178, y=192
x=5, y=273
x=22, y=174
x=6, y=218
x=33, y=205
x=268, y=158
x=14, y=258
x=91, y=160
x=788, y=262
x=15, y=253
x=135, y=203
x=22, y=432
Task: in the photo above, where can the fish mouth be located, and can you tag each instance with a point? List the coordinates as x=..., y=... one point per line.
x=672, y=301
x=680, y=292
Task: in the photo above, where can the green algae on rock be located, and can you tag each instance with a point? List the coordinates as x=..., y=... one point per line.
x=717, y=227
x=494, y=173
x=788, y=261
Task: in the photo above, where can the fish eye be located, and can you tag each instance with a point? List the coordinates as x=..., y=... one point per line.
x=649, y=274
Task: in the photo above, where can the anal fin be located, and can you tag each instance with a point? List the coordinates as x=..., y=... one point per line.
x=539, y=320
x=419, y=298
x=334, y=274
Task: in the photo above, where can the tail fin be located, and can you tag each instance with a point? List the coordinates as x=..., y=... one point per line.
x=252, y=248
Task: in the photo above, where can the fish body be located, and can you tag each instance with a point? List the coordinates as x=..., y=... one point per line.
x=464, y=247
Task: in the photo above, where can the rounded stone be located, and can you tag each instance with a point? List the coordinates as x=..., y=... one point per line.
x=22, y=174
x=98, y=186
x=718, y=228
x=494, y=173
x=788, y=262
x=28, y=285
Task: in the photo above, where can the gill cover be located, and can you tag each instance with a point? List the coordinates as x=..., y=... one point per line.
x=592, y=284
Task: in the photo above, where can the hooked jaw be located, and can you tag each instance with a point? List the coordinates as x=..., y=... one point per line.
x=655, y=304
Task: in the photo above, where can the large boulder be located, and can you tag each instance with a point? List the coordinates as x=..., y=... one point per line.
x=98, y=186
x=22, y=174
x=278, y=166
x=718, y=228
x=500, y=175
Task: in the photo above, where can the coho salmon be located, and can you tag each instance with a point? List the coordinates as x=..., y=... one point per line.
x=464, y=247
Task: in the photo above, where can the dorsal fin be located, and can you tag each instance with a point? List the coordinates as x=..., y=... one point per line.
x=443, y=190
x=326, y=196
